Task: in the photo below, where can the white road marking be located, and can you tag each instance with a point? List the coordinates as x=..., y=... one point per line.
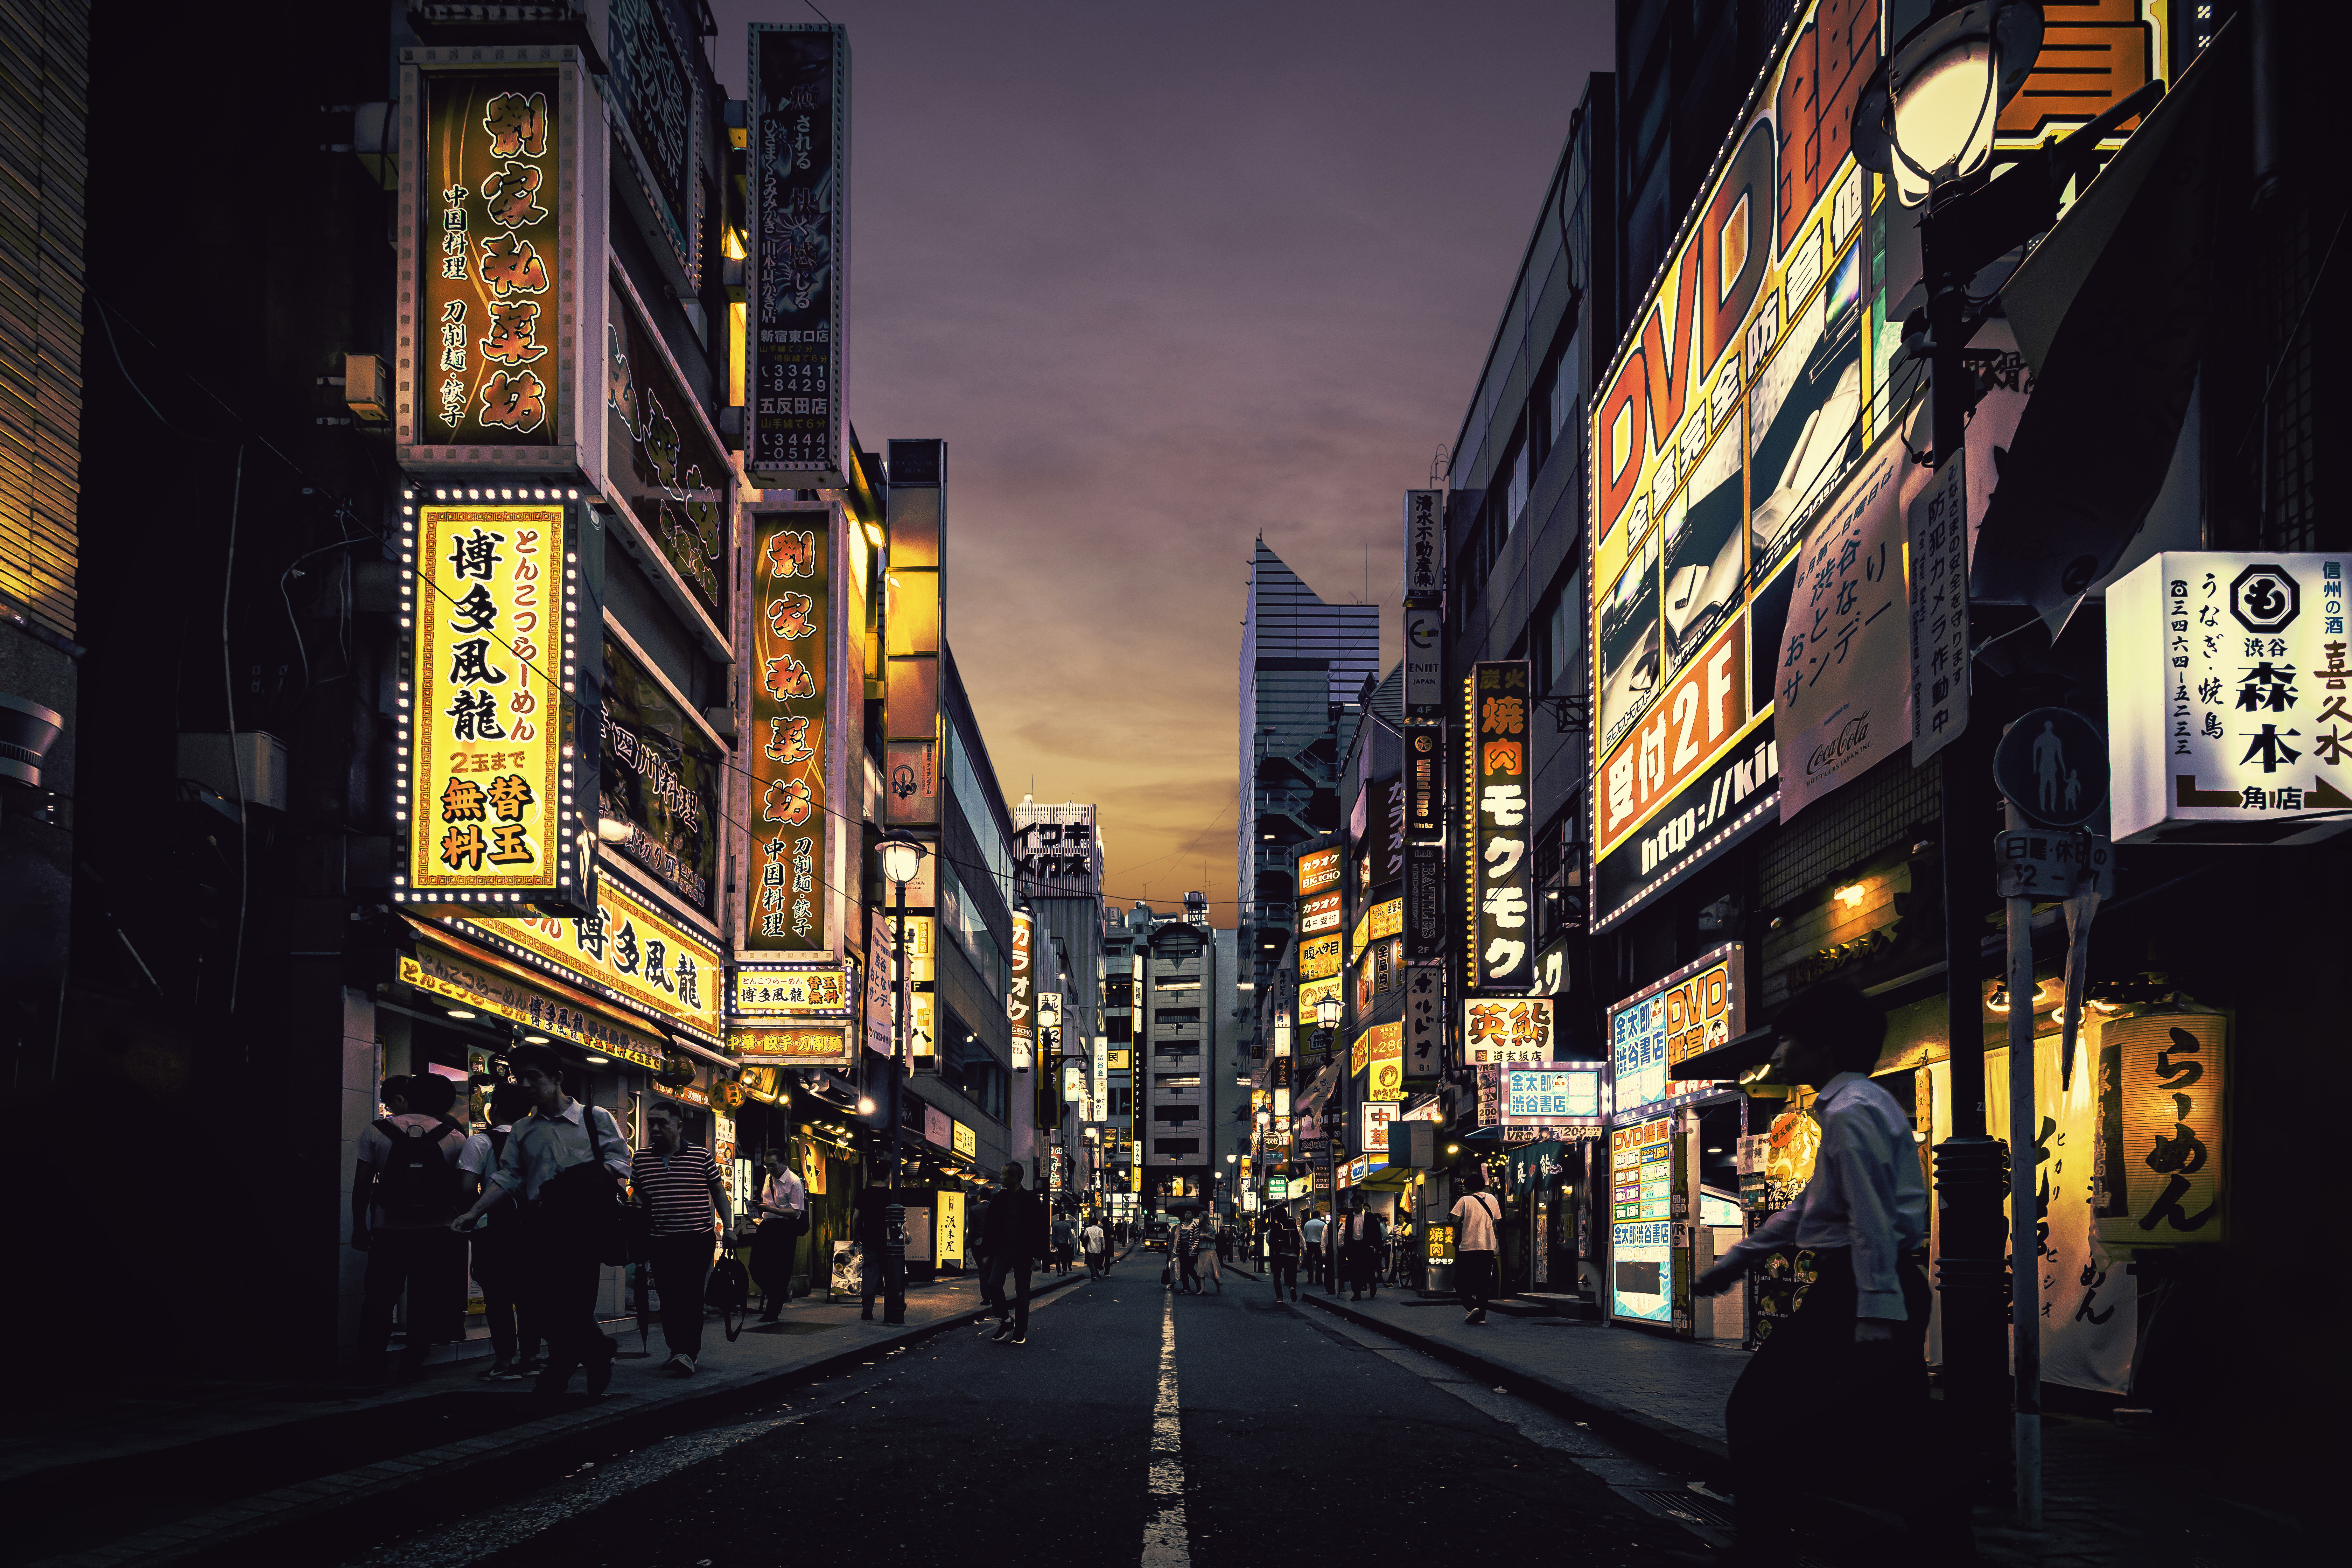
x=1166, y=1541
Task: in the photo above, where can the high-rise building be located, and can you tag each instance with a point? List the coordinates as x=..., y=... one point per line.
x=1303, y=667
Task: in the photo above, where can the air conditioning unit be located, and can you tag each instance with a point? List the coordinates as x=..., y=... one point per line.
x=253, y=772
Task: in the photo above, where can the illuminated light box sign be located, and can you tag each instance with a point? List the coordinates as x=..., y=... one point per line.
x=1320, y=958
x=1641, y=1229
x=1318, y=869
x=2161, y=1167
x=626, y=949
x=1496, y=1032
x=798, y=149
x=1698, y=1007
x=1734, y=795
x=486, y=991
x=1553, y=1096
x=1496, y=776
x=789, y=749
x=793, y=993
x=2229, y=698
x=488, y=777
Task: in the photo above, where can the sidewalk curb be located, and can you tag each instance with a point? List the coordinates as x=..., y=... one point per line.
x=1645, y=1435
x=232, y=1525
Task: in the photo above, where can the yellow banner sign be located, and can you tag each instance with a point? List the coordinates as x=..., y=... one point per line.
x=967, y=1141
x=485, y=794
x=1320, y=957
x=790, y=1047
x=486, y=991
x=631, y=950
x=1387, y=920
x=793, y=993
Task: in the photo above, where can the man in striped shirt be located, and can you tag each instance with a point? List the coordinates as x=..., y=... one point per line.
x=677, y=1184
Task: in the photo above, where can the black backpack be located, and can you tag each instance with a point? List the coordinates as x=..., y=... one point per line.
x=417, y=1184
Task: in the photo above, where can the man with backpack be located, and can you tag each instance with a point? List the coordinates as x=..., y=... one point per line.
x=565, y=1162
x=498, y=1245
x=1283, y=1245
x=403, y=1192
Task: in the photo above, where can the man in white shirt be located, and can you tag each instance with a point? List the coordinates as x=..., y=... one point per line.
x=1843, y=1381
x=1313, y=1231
x=1475, y=1214
x=1096, y=1245
x=784, y=1220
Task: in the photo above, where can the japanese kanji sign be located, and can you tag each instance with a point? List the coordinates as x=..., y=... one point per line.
x=798, y=271
x=1937, y=526
x=788, y=801
x=812, y=1047
x=1498, y=780
x=487, y=797
x=1054, y=851
x=1020, y=994
x=2160, y=1171
x=1497, y=1032
x=659, y=96
x=630, y=950
x=2230, y=698
x=793, y=991
x=482, y=361
x=666, y=463
x=661, y=774
x=1424, y=544
x=1380, y=1051
x=1841, y=669
x=1653, y=1032
x=487, y=990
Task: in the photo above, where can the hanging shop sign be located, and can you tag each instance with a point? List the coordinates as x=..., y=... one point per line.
x=660, y=773
x=1384, y=920
x=1073, y=1082
x=1641, y=1228
x=760, y=1083
x=1020, y=1003
x=881, y=983
x=1653, y=1032
x=790, y=742
x=1841, y=675
x=1425, y=1021
x=1424, y=661
x=1320, y=957
x=798, y=271
x=486, y=990
x=951, y=1222
x=1425, y=544
x=1427, y=890
x=1556, y=1095
x=1381, y=1049
x=914, y=625
x=964, y=1140
x=1495, y=830
x=1499, y=1032
x=777, y=992
x=938, y=1126
x=489, y=788
x=494, y=316
x=1425, y=784
x=2229, y=698
x=627, y=948
x=658, y=95
x=2160, y=1168
x=1935, y=524
x=1372, y=1119
x=667, y=467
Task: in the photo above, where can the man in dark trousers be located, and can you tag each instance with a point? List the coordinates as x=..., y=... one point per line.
x=881, y=1222
x=678, y=1187
x=1838, y=1392
x=1364, y=1247
x=1012, y=1233
x=1282, y=1243
x=406, y=1188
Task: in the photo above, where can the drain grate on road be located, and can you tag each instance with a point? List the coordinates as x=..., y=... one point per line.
x=1687, y=1506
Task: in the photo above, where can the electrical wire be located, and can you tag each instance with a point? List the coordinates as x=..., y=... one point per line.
x=235, y=758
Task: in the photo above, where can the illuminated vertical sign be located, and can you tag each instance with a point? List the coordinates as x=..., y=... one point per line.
x=1020, y=1002
x=914, y=633
x=494, y=315
x=798, y=136
x=1425, y=784
x=789, y=673
x=488, y=777
x=658, y=95
x=1495, y=830
x=1653, y=1032
x=1641, y=1228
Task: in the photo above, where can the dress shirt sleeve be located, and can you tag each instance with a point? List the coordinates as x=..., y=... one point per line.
x=509, y=1176
x=618, y=1159
x=1857, y=1143
x=1778, y=1231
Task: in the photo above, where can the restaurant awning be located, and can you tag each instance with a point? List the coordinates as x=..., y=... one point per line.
x=2107, y=310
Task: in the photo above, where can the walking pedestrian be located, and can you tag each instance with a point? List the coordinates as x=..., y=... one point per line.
x=1335, y=1232
x=1183, y=1243
x=565, y=1162
x=1368, y=1247
x=497, y=1245
x=784, y=1220
x=1283, y=1242
x=1312, y=1234
x=880, y=1219
x=1015, y=1224
x=1065, y=1237
x=677, y=1187
x=404, y=1189
x=1207, y=1247
x=1475, y=1214
x=1841, y=1383
x=1098, y=1247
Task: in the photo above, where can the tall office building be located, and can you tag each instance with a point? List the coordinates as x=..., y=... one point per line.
x=1302, y=669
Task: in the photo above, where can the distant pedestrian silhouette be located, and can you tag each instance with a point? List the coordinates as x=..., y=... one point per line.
x=2073, y=788
x=2049, y=764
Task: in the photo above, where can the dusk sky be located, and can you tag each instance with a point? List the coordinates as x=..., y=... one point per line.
x=1165, y=278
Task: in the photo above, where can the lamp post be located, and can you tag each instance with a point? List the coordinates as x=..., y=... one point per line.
x=1926, y=121
x=901, y=857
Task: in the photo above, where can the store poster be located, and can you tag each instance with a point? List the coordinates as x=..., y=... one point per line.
x=848, y=1269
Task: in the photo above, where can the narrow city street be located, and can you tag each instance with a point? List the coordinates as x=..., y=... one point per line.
x=1060, y=1449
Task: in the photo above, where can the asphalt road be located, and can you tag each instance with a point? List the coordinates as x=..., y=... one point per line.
x=1131, y=1427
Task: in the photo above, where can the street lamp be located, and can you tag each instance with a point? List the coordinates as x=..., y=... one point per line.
x=901, y=857
x=1927, y=119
